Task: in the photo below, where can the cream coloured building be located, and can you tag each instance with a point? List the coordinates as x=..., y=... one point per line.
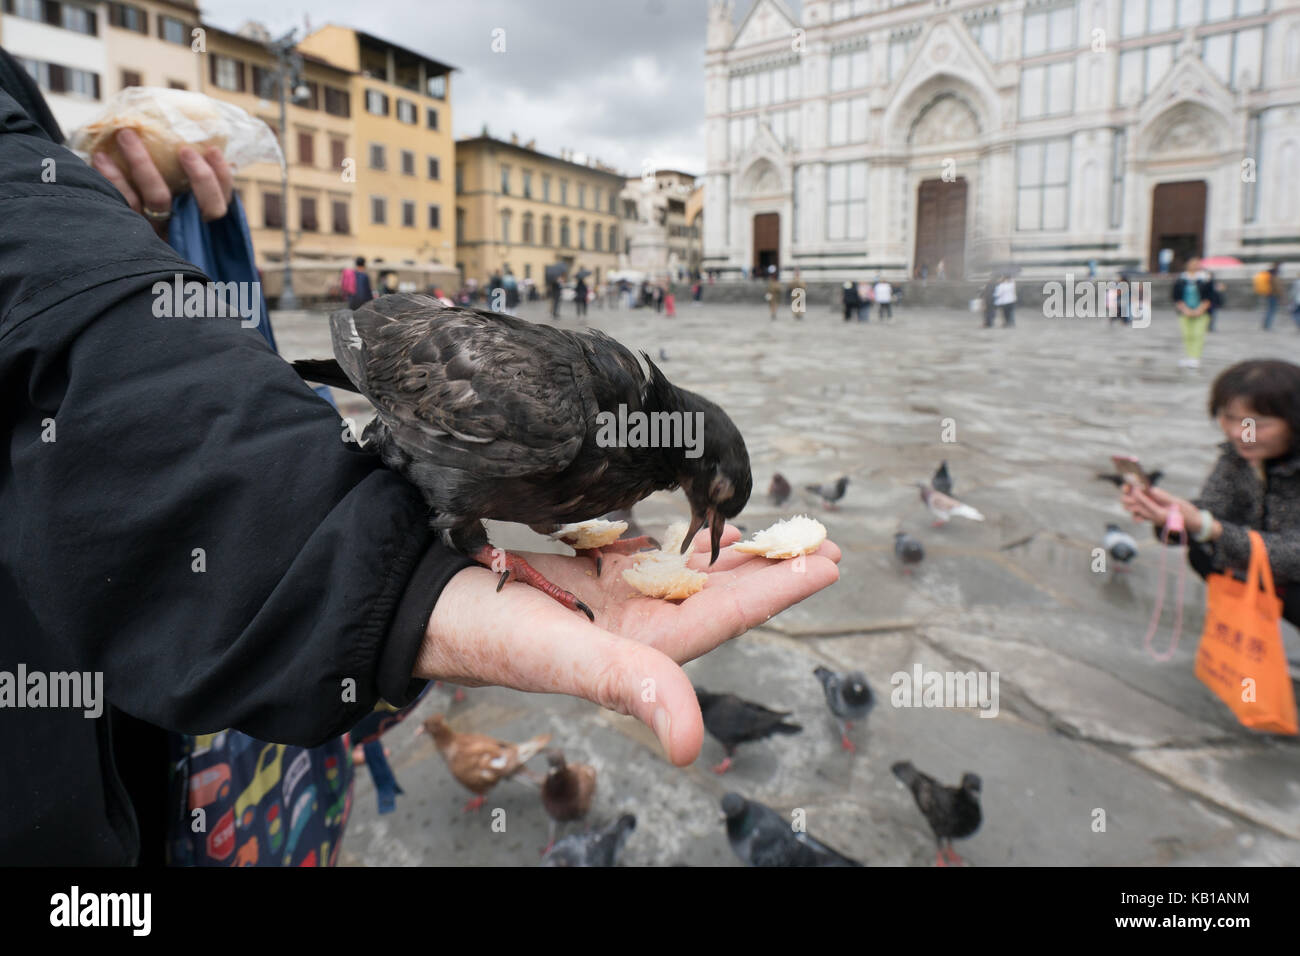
x=873, y=137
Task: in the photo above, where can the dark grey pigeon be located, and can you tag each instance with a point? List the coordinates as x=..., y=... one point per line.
x=952, y=812
x=733, y=721
x=942, y=480
x=490, y=416
x=908, y=550
x=849, y=698
x=1119, y=544
x=593, y=847
x=830, y=494
x=762, y=837
x=1118, y=480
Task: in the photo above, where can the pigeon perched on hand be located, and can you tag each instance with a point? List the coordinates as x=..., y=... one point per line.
x=830, y=494
x=944, y=508
x=762, y=837
x=849, y=697
x=593, y=848
x=778, y=492
x=942, y=480
x=490, y=416
x=567, y=792
x=478, y=761
x=1119, y=544
x=733, y=721
x=952, y=812
x=908, y=550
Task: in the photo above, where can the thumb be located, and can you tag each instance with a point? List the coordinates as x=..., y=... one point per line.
x=523, y=639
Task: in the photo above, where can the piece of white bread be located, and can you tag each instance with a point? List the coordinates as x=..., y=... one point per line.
x=595, y=533
x=663, y=574
x=786, y=539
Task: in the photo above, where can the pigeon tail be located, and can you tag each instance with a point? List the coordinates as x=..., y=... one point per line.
x=531, y=748
x=784, y=728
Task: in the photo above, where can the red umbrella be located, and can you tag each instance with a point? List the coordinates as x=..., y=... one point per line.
x=1220, y=262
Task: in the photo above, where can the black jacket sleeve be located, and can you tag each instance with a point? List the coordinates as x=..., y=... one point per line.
x=177, y=508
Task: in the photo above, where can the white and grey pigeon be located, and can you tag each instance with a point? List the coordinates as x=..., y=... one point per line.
x=592, y=847
x=908, y=550
x=945, y=508
x=849, y=698
x=762, y=837
x=829, y=494
x=1119, y=544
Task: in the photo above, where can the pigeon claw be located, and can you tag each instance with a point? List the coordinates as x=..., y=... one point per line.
x=847, y=744
x=722, y=767
x=525, y=573
x=474, y=804
x=938, y=858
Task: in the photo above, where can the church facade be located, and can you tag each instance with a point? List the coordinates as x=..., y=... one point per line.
x=873, y=137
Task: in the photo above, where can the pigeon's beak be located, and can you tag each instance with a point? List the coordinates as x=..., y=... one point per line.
x=717, y=524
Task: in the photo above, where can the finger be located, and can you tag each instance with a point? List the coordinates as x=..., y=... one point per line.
x=731, y=604
x=225, y=175
x=144, y=175
x=203, y=183
x=474, y=637
x=109, y=170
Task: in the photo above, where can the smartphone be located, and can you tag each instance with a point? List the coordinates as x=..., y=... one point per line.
x=1131, y=471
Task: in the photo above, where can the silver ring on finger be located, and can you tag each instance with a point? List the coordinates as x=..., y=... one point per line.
x=156, y=216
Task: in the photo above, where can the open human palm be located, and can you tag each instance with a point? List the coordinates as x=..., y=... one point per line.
x=629, y=659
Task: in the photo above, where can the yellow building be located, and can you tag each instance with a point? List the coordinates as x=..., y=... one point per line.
x=520, y=208
x=321, y=206
x=401, y=144
x=149, y=43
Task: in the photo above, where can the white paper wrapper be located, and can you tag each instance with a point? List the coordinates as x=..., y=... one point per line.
x=166, y=120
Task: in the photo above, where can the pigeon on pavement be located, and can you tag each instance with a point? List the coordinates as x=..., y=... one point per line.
x=566, y=792
x=478, y=761
x=952, y=812
x=733, y=721
x=849, y=697
x=1119, y=544
x=762, y=837
x=944, y=508
x=594, y=847
x=942, y=480
x=908, y=550
x=778, y=492
x=830, y=494
x=1118, y=480
x=491, y=416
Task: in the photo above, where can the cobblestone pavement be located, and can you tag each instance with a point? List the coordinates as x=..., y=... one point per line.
x=1086, y=719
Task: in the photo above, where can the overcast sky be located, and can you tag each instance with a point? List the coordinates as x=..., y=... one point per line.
x=621, y=80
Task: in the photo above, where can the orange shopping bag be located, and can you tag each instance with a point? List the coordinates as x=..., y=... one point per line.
x=1241, y=657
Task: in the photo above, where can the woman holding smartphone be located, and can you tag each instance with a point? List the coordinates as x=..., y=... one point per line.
x=1255, y=485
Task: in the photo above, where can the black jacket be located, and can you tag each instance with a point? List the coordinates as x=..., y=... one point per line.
x=170, y=435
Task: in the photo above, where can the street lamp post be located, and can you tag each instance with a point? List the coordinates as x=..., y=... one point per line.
x=287, y=76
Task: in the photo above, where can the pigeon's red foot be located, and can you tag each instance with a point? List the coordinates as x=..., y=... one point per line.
x=938, y=858
x=508, y=564
x=546, y=849
x=954, y=859
x=722, y=767
x=847, y=744
x=937, y=524
x=458, y=696
x=474, y=804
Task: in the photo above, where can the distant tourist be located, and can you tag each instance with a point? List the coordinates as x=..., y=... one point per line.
x=1004, y=298
x=773, y=295
x=580, y=296
x=866, y=295
x=357, y=290
x=850, y=301
x=884, y=293
x=1192, y=294
x=1268, y=285
x=798, y=296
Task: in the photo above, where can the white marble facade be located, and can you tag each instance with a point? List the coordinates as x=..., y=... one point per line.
x=1062, y=116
